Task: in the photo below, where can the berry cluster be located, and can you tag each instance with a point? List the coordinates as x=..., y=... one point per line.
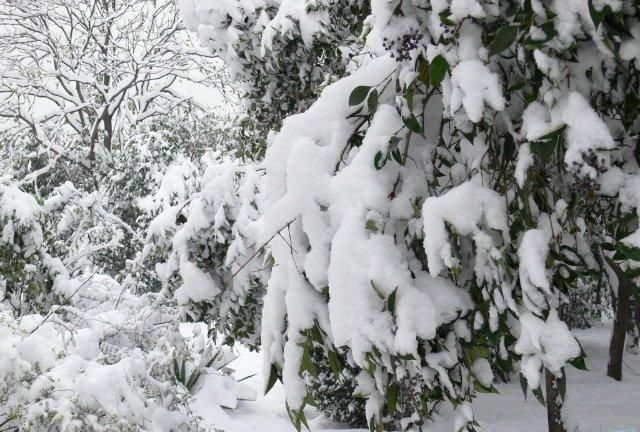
x=583, y=183
x=448, y=31
x=402, y=45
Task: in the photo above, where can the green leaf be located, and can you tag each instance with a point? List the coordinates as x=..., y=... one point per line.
x=308, y=400
x=392, y=398
x=438, y=69
x=504, y=38
x=549, y=30
x=413, y=124
x=391, y=301
x=397, y=156
x=274, y=374
x=371, y=225
x=246, y=377
x=562, y=384
x=423, y=70
x=307, y=364
x=578, y=363
x=303, y=418
x=409, y=97
x=192, y=380
x=473, y=353
x=316, y=334
x=482, y=389
x=633, y=253
x=538, y=394
x=376, y=290
x=394, y=141
x=407, y=357
x=444, y=17
x=597, y=16
x=176, y=369
x=213, y=358
x=523, y=385
x=543, y=149
x=334, y=362
x=358, y=95
x=379, y=160
x=372, y=101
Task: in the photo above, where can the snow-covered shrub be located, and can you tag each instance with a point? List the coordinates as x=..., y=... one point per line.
x=588, y=304
x=258, y=40
x=105, y=360
x=89, y=366
x=204, y=250
x=432, y=210
x=80, y=350
x=332, y=387
x=28, y=273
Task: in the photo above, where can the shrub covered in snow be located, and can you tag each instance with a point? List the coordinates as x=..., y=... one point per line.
x=281, y=53
x=204, y=250
x=473, y=164
x=80, y=351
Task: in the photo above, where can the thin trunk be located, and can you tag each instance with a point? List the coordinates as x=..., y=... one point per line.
x=620, y=323
x=554, y=403
x=108, y=131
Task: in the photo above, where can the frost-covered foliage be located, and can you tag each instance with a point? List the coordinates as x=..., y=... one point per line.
x=259, y=39
x=81, y=351
x=431, y=212
x=103, y=360
x=28, y=273
x=99, y=217
x=203, y=249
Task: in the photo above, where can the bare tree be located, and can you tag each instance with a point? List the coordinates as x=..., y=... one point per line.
x=98, y=66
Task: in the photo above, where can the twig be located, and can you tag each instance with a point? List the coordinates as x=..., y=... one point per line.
x=260, y=248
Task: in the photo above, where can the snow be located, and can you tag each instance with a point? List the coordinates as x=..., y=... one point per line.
x=481, y=205
x=544, y=343
x=630, y=48
x=585, y=131
x=595, y=402
x=525, y=160
x=473, y=84
x=461, y=9
x=197, y=284
x=481, y=369
x=321, y=236
x=534, y=278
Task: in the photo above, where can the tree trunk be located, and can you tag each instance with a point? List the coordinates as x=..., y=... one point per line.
x=108, y=132
x=554, y=403
x=620, y=323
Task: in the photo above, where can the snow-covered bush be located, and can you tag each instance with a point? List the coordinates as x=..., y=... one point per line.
x=105, y=360
x=588, y=304
x=204, y=250
x=433, y=209
x=259, y=39
x=80, y=350
x=28, y=273
x=331, y=389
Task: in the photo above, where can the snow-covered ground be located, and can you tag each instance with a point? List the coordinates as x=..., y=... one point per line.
x=595, y=402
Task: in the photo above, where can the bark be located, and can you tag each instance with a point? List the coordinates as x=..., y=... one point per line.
x=108, y=131
x=554, y=403
x=620, y=323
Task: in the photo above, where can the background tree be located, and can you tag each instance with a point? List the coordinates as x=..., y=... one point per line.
x=76, y=75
